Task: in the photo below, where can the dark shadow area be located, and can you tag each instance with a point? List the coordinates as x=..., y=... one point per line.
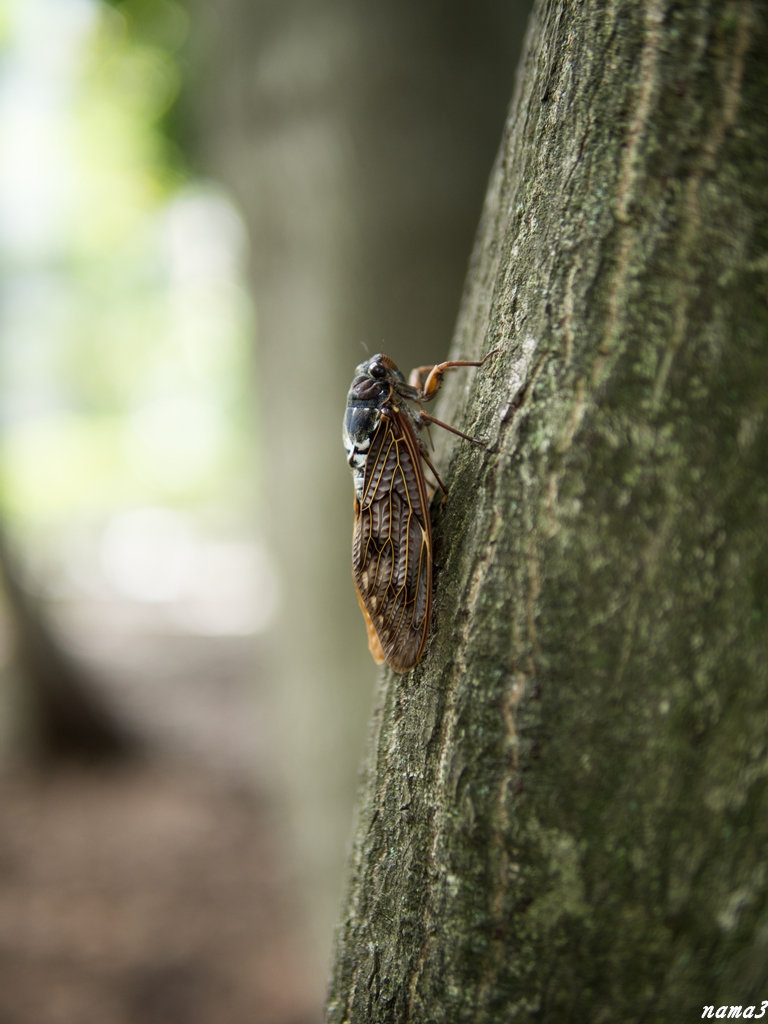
x=68, y=718
x=144, y=894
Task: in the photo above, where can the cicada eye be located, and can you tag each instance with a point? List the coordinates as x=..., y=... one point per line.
x=377, y=370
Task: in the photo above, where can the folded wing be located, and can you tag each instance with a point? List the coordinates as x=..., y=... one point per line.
x=392, y=545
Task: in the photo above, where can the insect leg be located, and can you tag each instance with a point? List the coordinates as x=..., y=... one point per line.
x=435, y=378
x=417, y=373
x=425, y=418
x=436, y=475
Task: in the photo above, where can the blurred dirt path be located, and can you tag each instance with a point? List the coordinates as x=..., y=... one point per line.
x=145, y=894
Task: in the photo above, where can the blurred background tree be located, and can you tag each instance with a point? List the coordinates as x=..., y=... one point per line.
x=127, y=432
x=137, y=580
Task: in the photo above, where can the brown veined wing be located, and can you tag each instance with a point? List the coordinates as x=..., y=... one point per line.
x=392, y=545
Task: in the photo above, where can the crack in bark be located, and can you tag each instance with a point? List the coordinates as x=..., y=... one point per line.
x=628, y=175
x=638, y=128
x=566, y=323
x=731, y=76
x=555, y=474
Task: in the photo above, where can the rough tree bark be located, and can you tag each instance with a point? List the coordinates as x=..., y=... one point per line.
x=565, y=808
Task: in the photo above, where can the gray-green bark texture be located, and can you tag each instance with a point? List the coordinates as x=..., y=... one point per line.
x=565, y=808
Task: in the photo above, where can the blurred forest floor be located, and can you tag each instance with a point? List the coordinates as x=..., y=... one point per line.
x=153, y=891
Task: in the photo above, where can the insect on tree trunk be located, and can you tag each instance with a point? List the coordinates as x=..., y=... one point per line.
x=565, y=806
x=333, y=123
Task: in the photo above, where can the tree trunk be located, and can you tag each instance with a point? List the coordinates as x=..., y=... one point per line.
x=50, y=709
x=565, y=809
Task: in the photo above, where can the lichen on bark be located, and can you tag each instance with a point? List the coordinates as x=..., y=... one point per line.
x=564, y=810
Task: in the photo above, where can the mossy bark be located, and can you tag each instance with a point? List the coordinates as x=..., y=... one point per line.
x=565, y=809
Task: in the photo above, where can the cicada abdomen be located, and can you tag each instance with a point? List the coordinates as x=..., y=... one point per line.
x=392, y=540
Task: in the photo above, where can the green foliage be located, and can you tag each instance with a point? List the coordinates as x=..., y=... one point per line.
x=127, y=345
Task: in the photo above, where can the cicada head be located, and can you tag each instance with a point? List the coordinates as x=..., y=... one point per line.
x=378, y=385
x=377, y=379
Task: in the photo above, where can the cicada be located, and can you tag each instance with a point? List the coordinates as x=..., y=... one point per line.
x=392, y=540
